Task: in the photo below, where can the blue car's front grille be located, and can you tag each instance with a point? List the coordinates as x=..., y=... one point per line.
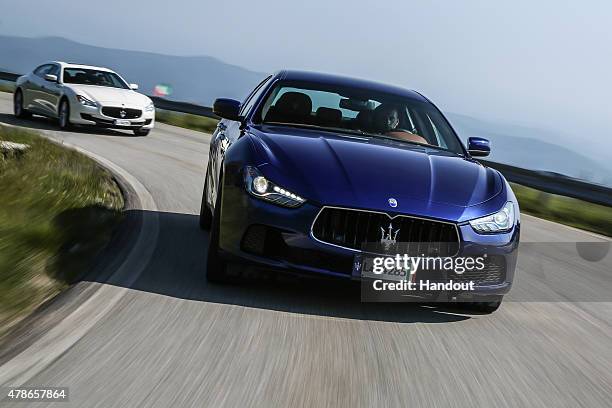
x=352, y=229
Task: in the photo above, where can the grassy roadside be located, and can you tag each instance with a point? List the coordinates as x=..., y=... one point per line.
x=58, y=209
x=565, y=210
x=6, y=86
x=186, y=120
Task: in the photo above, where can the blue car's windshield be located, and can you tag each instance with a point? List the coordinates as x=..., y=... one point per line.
x=358, y=111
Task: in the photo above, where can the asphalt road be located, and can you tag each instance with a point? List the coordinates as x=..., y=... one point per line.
x=152, y=333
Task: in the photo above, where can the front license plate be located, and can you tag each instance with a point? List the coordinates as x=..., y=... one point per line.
x=122, y=122
x=366, y=268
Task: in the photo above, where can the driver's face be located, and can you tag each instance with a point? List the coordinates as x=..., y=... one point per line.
x=392, y=119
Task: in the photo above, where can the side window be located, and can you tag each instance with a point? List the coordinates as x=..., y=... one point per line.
x=268, y=103
x=410, y=121
x=42, y=70
x=54, y=70
x=439, y=139
x=251, y=99
x=423, y=125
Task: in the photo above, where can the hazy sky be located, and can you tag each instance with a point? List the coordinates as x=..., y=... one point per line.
x=540, y=63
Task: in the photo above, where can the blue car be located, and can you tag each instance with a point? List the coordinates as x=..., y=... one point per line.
x=311, y=169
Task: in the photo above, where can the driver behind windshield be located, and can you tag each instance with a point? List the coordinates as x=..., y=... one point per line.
x=386, y=118
x=386, y=122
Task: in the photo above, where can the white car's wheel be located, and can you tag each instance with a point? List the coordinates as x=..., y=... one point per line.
x=64, y=114
x=18, y=109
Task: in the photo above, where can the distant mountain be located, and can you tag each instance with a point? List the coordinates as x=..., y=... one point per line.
x=193, y=79
x=531, y=148
x=202, y=79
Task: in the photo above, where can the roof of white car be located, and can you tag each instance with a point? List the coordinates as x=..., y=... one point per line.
x=72, y=65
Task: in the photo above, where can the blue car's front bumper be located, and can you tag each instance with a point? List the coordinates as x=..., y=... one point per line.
x=277, y=238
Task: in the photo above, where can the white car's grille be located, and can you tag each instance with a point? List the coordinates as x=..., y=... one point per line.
x=121, y=113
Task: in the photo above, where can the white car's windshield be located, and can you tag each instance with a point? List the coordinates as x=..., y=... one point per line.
x=354, y=110
x=93, y=77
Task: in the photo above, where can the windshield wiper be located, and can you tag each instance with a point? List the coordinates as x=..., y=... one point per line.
x=395, y=139
x=322, y=128
x=359, y=132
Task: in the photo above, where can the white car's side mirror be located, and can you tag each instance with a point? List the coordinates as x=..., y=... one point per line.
x=51, y=78
x=134, y=87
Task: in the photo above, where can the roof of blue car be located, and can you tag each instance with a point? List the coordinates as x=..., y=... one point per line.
x=348, y=81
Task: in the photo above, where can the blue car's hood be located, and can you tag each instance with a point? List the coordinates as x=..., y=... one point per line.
x=365, y=172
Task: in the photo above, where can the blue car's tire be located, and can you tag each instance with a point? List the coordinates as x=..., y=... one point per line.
x=215, y=265
x=485, y=307
x=206, y=216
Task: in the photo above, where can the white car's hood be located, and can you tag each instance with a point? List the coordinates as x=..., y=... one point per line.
x=111, y=96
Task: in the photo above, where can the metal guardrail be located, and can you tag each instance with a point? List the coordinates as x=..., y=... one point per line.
x=555, y=183
x=183, y=107
x=540, y=180
x=7, y=76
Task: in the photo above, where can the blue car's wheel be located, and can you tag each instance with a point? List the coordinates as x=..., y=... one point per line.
x=205, y=213
x=486, y=307
x=215, y=265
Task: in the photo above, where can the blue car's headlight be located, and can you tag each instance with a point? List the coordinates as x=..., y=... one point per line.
x=501, y=221
x=257, y=185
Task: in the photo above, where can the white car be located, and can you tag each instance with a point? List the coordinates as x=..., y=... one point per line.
x=83, y=95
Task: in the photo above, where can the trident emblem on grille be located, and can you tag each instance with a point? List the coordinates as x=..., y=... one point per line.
x=122, y=113
x=388, y=238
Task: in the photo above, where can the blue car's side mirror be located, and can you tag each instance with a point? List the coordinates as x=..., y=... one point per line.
x=226, y=108
x=479, y=147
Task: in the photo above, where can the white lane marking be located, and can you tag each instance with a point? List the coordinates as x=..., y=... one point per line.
x=31, y=361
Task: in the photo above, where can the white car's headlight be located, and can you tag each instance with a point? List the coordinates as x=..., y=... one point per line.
x=86, y=102
x=257, y=185
x=150, y=107
x=501, y=221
